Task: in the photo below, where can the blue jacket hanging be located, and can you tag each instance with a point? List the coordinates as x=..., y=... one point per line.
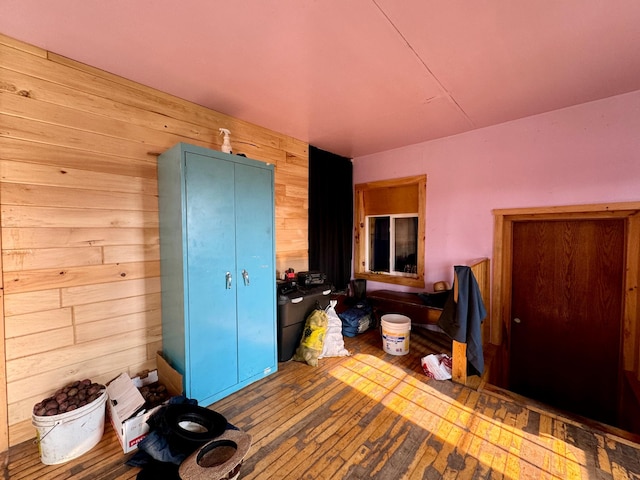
x=462, y=320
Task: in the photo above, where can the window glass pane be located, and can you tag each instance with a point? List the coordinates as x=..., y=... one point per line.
x=406, y=244
x=379, y=244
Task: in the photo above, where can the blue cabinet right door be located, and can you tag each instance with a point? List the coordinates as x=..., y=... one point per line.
x=256, y=276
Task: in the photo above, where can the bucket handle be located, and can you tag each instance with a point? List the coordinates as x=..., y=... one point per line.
x=39, y=439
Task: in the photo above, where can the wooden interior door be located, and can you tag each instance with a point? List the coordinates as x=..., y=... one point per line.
x=567, y=299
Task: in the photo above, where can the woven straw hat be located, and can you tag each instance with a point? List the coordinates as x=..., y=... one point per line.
x=220, y=459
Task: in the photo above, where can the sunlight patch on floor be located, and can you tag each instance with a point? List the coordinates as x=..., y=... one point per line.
x=488, y=438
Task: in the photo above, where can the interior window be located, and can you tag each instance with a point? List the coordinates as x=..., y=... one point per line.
x=393, y=244
x=390, y=222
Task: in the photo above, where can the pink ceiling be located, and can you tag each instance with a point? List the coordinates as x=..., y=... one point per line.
x=352, y=76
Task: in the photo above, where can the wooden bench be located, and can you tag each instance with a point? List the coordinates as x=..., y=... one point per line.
x=411, y=305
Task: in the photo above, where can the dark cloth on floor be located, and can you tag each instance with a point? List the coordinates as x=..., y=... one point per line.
x=462, y=320
x=160, y=453
x=159, y=471
x=158, y=456
x=158, y=444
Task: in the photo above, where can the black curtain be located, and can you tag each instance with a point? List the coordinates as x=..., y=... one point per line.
x=330, y=216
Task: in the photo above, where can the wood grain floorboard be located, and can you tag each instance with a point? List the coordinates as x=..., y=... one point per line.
x=375, y=415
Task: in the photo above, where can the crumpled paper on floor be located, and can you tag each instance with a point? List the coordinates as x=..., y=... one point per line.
x=437, y=366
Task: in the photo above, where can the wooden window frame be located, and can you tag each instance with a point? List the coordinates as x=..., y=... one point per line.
x=401, y=195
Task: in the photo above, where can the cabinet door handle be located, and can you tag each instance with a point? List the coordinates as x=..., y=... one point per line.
x=229, y=278
x=245, y=277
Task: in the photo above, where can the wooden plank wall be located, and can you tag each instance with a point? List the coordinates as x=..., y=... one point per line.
x=79, y=219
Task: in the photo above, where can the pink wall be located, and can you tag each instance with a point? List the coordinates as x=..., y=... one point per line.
x=579, y=155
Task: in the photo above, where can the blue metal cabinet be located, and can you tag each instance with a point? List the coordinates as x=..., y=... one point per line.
x=217, y=253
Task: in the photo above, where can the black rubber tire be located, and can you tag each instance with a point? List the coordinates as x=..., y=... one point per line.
x=213, y=422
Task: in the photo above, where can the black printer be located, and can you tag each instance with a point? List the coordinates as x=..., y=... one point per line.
x=308, y=279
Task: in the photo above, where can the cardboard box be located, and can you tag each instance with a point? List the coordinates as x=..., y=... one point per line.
x=125, y=404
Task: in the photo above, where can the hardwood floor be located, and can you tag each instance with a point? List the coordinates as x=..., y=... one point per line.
x=374, y=415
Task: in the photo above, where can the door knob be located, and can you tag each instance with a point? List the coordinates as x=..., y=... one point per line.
x=516, y=320
x=245, y=277
x=228, y=277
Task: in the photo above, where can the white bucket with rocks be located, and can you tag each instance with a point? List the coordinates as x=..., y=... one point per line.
x=66, y=436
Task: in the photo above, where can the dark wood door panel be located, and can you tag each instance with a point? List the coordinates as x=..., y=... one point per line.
x=567, y=298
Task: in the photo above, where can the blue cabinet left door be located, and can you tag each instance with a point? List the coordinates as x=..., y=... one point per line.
x=212, y=335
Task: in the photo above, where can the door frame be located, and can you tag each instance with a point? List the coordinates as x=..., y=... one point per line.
x=502, y=269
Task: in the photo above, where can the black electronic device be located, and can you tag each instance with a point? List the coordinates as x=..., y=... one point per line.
x=285, y=287
x=307, y=279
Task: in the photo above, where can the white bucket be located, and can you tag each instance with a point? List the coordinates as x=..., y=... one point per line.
x=68, y=435
x=395, y=333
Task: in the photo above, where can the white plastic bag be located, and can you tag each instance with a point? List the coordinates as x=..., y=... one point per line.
x=333, y=341
x=437, y=366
